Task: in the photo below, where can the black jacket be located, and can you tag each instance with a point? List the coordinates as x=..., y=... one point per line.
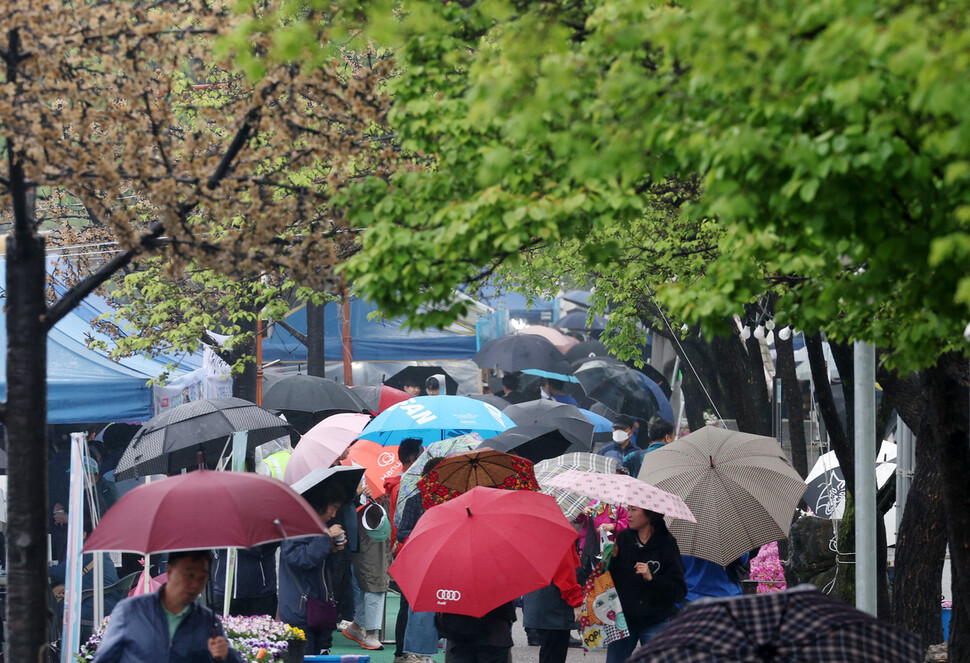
x=648, y=603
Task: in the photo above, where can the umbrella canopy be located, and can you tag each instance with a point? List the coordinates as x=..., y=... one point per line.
x=460, y=472
x=621, y=489
x=321, y=481
x=578, y=320
x=432, y=418
x=826, y=485
x=622, y=389
x=380, y=463
x=554, y=336
x=306, y=400
x=740, y=486
x=571, y=503
x=171, y=441
x=439, y=449
x=517, y=352
x=491, y=399
x=379, y=397
x=580, y=297
x=518, y=536
x=323, y=444
x=204, y=509
x=800, y=624
x=536, y=442
x=419, y=375
x=586, y=349
x=567, y=419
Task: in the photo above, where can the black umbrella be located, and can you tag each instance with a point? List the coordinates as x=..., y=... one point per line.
x=580, y=297
x=578, y=320
x=615, y=385
x=536, y=442
x=586, y=349
x=565, y=418
x=491, y=399
x=419, y=375
x=800, y=624
x=171, y=441
x=319, y=486
x=306, y=400
x=517, y=352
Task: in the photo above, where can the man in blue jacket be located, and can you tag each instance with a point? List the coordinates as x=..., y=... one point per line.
x=168, y=625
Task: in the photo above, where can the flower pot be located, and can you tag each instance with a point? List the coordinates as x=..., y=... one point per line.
x=295, y=650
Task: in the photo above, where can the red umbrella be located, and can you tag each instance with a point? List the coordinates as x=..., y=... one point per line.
x=482, y=549
x=381, y=463
x=379, y=397
x=204, y=509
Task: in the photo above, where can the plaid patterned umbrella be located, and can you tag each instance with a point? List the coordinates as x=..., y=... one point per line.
x=171, y=441
x=621, y=489
x=571, y=503
x=460, y=472
x=800, y=624
x=740, y=487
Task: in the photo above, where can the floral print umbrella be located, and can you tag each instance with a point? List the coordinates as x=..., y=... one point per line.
x=624, y=490
x=460, y=472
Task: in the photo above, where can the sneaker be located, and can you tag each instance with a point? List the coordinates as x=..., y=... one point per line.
x=372, y=642
x=343, y=623
x=355, y=633
x=416, y=658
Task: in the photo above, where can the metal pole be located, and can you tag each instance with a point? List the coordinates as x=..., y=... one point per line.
x=864, y=361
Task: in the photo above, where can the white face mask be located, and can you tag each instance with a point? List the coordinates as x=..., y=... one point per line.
x=620, y=435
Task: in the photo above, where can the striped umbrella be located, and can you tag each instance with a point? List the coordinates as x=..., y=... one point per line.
x=571, y=503
x=740, y=487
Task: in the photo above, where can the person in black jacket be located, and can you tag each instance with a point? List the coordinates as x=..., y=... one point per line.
x=649, y=577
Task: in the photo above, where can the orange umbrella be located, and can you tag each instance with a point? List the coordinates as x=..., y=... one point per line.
x=380, y=463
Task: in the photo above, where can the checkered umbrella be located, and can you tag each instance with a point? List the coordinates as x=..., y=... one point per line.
x=740, y=487
x=800, y=624
x=622, y=489
x=571, y=503
x=172, y=441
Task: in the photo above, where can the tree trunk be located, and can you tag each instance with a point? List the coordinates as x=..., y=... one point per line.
x=833, y=425
x=948, y=399
x=792, y=396
x=316, y=340
x=702, y=391
x=921, y=544
x=25, y=425
x=748, y=394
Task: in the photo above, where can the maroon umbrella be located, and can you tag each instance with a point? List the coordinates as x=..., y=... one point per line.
x=204, y=509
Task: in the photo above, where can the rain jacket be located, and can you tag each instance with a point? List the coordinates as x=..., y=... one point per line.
x=255, y=572
x=552, y=607
x=648, y=603
x=138, y=632
x=301, y=561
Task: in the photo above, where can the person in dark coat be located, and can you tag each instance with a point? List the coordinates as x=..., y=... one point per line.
x=553, y=611
x=649, y=577
x=486, y=639
x=254, y=588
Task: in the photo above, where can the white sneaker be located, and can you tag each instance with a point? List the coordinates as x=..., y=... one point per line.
x=416, y=658
x=371, y=642
x=342, y=624
x=355, y=633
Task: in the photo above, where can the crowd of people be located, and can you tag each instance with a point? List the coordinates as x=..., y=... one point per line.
x=348, y=569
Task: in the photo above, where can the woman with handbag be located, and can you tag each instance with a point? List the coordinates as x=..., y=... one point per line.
x=649, y=577
x=304, y=600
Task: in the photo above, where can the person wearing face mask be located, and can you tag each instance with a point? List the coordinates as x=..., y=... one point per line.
x=622, y=444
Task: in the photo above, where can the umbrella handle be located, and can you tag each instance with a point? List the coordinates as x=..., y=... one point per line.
x=201, y=458
x=279, y=525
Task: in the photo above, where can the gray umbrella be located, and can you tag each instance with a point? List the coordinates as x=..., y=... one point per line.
x=172, y=441
x=565, y=418
x=306, y=400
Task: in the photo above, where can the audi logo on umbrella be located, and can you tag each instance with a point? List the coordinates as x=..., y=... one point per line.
x=445, y=595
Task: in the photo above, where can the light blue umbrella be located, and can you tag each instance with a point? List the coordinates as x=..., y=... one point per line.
x=432, y=418
x=600, y=423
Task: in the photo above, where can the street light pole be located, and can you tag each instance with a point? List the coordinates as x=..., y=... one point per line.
x=864, y=361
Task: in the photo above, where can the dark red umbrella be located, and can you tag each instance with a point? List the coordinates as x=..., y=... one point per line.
x=482, y=549
x=204, y=509
x=379, y=397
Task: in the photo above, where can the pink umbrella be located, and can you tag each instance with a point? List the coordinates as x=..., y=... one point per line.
x=621, y=489
x=204, y=509
x=557, y=338
x=323, y=444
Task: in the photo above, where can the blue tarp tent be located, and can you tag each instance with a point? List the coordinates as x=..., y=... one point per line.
x=372, y=340
x=84, y=385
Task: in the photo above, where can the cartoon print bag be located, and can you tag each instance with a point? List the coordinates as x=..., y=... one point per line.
x=603, y=621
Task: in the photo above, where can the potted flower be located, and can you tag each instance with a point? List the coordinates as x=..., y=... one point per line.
x=767, y=570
